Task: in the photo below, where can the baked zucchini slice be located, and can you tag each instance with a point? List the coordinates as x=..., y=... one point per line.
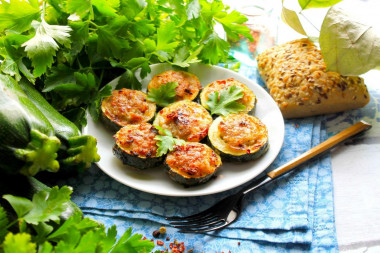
x=192, y=163
x=188, y=84
x=249, y=98
x=185, y=119
x=238, y=137
x=135, y=145
x=125, y=107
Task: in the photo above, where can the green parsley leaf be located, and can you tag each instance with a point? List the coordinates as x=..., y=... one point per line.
x=215, y=49
x=21, y=205
x=132, y=243
x=80, y=7
x=94, y=107
x=166, y=141
x=41, y=48
x=21, y=243
x=17, y=15
x=226, y=102
x=166, y=43
x=128, y=80
x=231, y=23
x=48, y=205
x=163, y=95
x=3, y=223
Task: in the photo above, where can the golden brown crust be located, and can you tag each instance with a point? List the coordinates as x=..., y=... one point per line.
x=127, y=106
x=137, y=140
x=242, y=132
x=296, y=77
x=185, y=119
x=188, y=84
x=193, y=160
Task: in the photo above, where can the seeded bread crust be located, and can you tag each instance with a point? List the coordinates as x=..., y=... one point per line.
x=296, y=77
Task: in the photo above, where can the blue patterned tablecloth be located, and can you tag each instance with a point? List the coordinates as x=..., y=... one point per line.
x=293, y=213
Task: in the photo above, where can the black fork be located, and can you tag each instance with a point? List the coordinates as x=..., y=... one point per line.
x=229, y=209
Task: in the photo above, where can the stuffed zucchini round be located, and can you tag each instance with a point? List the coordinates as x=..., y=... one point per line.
x=125, y=107
x=248, y=99
x=135, y=145
x=188, y=83
x=185, y=119
x=238, y=137
x=192, y=163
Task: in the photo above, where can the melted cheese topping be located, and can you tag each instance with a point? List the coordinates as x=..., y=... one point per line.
x=188, y=84
x=248, y=98
x=242, y=132
x=137, y=140
x=128, y=107
x=186, y=120
x=193, y=160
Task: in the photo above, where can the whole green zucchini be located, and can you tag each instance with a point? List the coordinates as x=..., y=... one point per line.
x=28, y=144
x=77, y=151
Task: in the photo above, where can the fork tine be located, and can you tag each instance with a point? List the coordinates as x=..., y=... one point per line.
x=204, y=229
x=210, y=222
x=207, y=218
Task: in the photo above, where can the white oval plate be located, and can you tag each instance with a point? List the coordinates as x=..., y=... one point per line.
x=230, y=175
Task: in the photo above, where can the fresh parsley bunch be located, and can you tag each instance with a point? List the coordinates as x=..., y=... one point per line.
x=71, y=49
x=39, y=227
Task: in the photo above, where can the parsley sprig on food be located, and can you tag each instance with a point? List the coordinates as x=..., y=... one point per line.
x=163, y=95
x=225, y=102
x=165, y=141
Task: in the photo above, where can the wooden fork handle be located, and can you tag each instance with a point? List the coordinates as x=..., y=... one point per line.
x=329, y=143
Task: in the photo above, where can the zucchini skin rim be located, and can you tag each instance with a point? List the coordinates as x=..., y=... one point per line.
x=187, y=181
x=191, y=181
x=235, y=157
x=136, y=161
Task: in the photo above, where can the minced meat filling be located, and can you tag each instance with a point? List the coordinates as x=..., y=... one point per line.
x=127, y=107
x=193, y=160
x=242, y=132
x=189, y=122
x=137, y=140
x=188, y=84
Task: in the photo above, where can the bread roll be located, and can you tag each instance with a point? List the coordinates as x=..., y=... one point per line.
x=296, y=77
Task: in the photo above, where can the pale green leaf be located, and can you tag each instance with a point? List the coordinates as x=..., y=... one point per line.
x=166, y=34
x=193, y=9
x=20, y=243
x=17, y=15
x=165, y=141
x=163, y=95
x=291, y=18
x=21, y=205
x=225, y=102
x=306, y=4
x=41, y=48
x=81, y=7
x=348, y=46
x=48, y=205
x=3, y=223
